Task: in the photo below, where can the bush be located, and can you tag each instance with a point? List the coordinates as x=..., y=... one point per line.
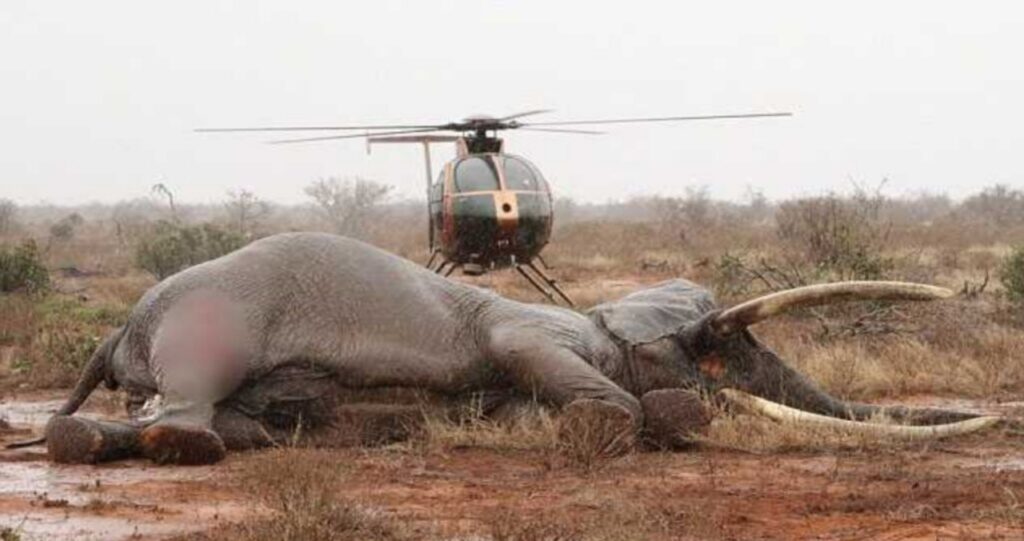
x=8, y=216
x=1013, y=275
x=171, y=247
x=52, y=337
x=22, y=269
x=840, y=236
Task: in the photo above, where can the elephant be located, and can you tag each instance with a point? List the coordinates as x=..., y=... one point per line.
x=237, y=352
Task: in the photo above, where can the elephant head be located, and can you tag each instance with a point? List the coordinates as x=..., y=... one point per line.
x=675, y=336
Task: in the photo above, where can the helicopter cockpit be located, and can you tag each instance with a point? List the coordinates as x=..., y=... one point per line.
x=490, y=172
x=483, y=198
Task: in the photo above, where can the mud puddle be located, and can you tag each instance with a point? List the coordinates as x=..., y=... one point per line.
x=129, y=499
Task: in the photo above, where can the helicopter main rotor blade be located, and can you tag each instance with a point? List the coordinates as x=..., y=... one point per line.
x=564, y=130
x=425, y=138
x=525, y=113
x=348, y=136
x=325, y=128
x=652, y=119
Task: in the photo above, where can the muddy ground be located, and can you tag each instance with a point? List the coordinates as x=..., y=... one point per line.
x=966, y=489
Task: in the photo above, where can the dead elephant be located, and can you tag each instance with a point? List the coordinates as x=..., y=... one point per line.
x=236, y=352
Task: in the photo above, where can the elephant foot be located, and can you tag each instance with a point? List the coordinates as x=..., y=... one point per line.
x=673, y=417
x=590, y=429
x=184, y=445
x=75, y=440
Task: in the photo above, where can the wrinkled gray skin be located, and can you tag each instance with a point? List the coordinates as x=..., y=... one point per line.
x=321, y=312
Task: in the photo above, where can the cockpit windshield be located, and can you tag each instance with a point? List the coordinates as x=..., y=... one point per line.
x=475, y=174
x=521, y=176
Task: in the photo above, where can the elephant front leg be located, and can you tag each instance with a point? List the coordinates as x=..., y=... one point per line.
x=596, y=413
x=674, y=418
x=77, y=440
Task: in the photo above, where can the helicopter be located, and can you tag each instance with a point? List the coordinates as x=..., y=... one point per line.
x=487, y=209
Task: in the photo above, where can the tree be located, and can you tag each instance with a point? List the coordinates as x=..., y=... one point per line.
x=162, y=189
x=64, y=230
x=678, y=216
x=1012, y=275
x=8, y=214
x=348, y=204
x=998, y=205
x=245, y=211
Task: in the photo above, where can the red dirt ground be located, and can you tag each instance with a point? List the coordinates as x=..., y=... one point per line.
x=968, y=489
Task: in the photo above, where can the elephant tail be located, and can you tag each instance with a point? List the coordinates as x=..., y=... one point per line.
x=94, y=373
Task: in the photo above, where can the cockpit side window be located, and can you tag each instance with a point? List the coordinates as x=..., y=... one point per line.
x=475, y=175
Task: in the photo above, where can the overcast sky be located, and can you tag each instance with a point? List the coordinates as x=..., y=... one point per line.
x=98, y=99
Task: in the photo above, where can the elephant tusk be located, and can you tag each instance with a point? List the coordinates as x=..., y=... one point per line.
x=786, y=414
x=761, y=308
x=25, y=443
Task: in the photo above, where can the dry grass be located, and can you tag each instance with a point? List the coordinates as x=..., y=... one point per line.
x=45, y=340
x=299, y=491
x=606, y=517
x=582, y=446
x=531, y=428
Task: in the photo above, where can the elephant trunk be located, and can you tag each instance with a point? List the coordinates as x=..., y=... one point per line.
x=770, y=378
x=775, y=390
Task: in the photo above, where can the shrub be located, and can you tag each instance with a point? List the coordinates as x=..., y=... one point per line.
x=22, y=269
x=8, y=216
x=171, y=247
x=1013, y=274
x=52, y=337
x=65, y=229
x=841, y=236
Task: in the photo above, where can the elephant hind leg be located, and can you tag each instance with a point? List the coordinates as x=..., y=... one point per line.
x=183, y=434
x=77, y=440
x=168, y=443
x=184, y=441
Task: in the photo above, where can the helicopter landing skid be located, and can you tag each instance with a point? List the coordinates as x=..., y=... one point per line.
x=547, y=285
x=446, y=268
x=543, y=283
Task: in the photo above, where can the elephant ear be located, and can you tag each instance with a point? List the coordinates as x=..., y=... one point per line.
x=654, y=312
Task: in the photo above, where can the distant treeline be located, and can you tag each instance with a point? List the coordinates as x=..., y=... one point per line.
x=366, y=209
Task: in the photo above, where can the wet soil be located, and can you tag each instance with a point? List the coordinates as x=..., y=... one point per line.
x=971, y=488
